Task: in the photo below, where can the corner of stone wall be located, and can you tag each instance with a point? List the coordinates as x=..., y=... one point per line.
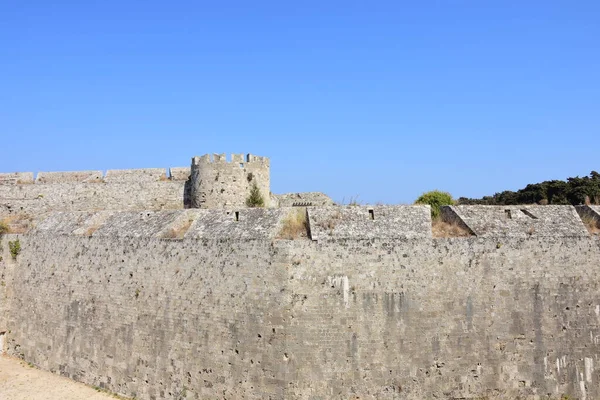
x=449, y=215
x=587, y=211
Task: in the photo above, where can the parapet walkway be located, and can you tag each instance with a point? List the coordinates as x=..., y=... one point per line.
x=19, y=381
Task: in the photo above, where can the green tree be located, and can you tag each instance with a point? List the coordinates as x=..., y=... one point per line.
x=573, y=191
x=255, y=199
x=435, y=199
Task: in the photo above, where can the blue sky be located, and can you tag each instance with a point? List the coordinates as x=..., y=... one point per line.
x=376, y=100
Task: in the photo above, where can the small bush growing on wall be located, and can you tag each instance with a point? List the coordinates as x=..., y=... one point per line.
x=3, y=228
x=435, y=199
x=15, y=248
x=295, y=226
x=255, y=198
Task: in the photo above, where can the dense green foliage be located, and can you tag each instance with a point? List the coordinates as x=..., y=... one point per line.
x=255, y=199
x=572, y=191
x=435, y=199
x=15, y=248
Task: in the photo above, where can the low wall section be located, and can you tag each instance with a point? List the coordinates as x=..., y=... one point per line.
x=518, y=221
x=231, y=316
x=139, y=189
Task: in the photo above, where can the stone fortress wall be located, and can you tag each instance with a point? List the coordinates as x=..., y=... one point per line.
x=370, y=305
x=215, y=303
x=136, y=189
x=215, y=182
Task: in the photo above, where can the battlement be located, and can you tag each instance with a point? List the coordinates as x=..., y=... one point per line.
x=234, y=159
x=325, y=223
x=129, y=189
x=111, y=176
x=255, y=223
x=366, y=222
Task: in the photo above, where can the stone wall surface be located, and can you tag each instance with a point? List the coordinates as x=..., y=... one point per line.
x=519, y=221
x=136, y=175
x=247, y=223
x=362, y=222
x=70, y=223
x=14, y=178
x=257, y=223
x=72, y=176
x=179, y=173
x=138, y=224
x=39, y=198
x=446, y=318
x=223, y=313
x=151, y=318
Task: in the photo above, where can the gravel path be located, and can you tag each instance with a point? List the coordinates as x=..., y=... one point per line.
x=18, y=381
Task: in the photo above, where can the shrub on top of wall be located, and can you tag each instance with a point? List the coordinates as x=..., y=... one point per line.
x=435, y=199
x=3, y=228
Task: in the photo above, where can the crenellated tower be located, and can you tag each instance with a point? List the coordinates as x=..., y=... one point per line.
x=216, y=182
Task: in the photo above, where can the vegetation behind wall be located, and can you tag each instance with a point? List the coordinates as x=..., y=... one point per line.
x=575, y=191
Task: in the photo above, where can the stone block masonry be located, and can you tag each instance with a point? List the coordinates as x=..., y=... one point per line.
x=149, y=321
x=64, y=177
x=16, y=178
x=245, y=223
x=232, y=314
x=179, y=173
x=360, y=222
x=136, y=175
x=144, y=189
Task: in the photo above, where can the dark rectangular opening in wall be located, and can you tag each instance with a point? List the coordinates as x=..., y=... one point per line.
x=372, y=214
x=508, y=214
x=2, y=336
x=530, y=215
x=241, y=165
x=237, y=215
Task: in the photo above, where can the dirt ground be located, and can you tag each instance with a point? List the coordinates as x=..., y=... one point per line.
x=18, y=381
